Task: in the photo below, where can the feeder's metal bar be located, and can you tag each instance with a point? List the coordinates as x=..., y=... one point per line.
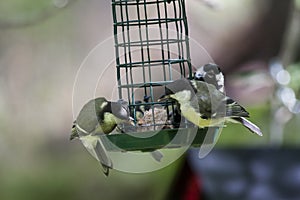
x=187, y=40
x=167, y=39
x=161, y=39
x=125, y=53
x=148, y=21
x=157, y=103
x=148, y=52
x=137, y=2
x=151, y=42
x=140, y=43
x=154, y=63
x=177, y=31
x=147, y=84
x=162, y=56
x=117, y=52
x=169, y=54
x=181, y=44
x=129, y=51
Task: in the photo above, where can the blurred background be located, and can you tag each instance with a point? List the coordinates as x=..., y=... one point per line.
x=43, y=43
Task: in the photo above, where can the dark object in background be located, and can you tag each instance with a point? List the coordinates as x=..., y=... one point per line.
x=186, y=186
x=262, y=42
x=248, y=173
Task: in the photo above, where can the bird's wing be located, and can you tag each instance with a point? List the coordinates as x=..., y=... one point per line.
x=208, y=100
x=213, y=102
x=233, y=109
x=92, y=121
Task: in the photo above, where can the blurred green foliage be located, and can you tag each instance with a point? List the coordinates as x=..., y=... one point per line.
x=62, y=171
x=294, y=83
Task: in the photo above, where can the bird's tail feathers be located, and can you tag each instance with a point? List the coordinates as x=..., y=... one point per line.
x=249, y=125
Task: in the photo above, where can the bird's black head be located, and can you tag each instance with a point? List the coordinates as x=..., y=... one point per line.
x=207, y=71
x=211, y=67
x=211, y=70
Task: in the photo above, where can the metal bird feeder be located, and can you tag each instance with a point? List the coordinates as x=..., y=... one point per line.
x=152, y=50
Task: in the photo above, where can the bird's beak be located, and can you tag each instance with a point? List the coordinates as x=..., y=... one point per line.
x=163, y=98
x=131, y=121
x=74, y=134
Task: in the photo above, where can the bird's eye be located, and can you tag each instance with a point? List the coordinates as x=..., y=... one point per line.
x=198, y=75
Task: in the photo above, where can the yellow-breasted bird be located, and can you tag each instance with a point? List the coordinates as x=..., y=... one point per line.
x=97, y=117
x=211, y=73
x=205, y=106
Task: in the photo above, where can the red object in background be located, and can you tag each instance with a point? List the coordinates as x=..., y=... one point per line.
x=186, y=186
x=192, y=191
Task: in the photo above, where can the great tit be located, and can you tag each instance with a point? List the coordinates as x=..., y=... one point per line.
x=212, y=74
x=205, y=106
x=97, y=117
x=209, y=73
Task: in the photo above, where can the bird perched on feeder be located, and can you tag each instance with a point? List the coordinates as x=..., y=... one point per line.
x=97, y=117
x=209, y=73
x=205, y=106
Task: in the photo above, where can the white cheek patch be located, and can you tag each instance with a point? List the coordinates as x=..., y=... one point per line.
x=103, y=105
x=199, y=73
x=220, y=80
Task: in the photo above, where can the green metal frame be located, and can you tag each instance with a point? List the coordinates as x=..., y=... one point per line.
x=142, y=17
x=168, y=17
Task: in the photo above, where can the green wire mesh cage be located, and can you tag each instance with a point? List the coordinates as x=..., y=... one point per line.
x=152, y=50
